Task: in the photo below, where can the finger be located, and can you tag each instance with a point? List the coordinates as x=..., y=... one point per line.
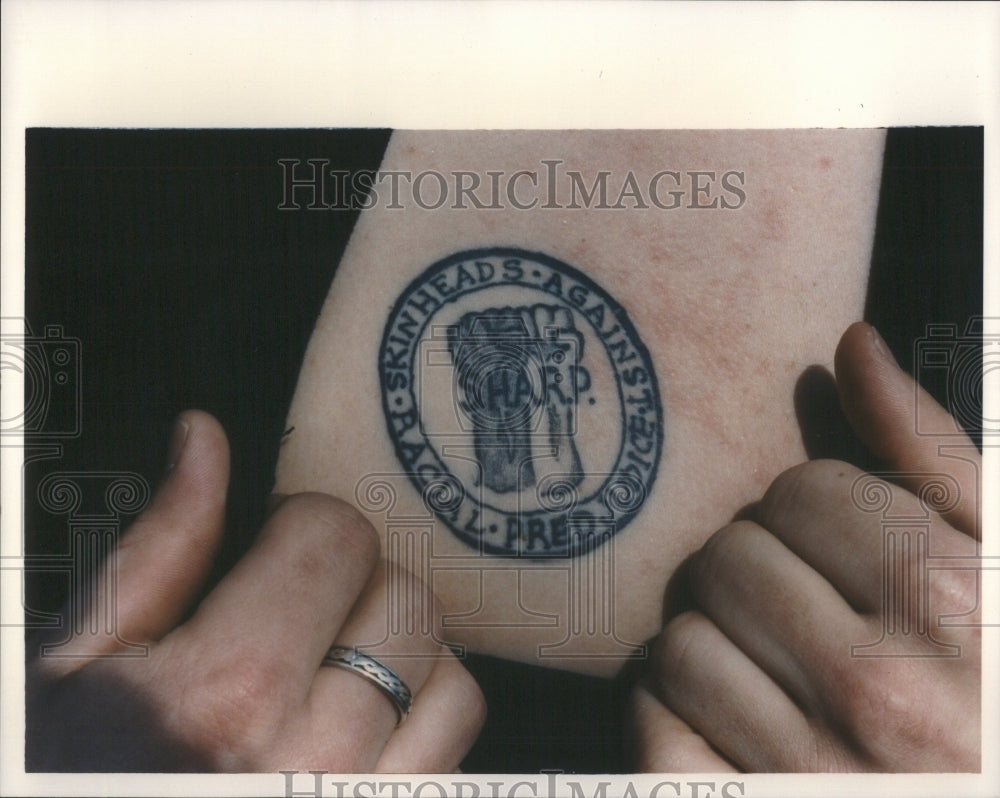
x=710, y=684
x=883, y=404
x=165, y=555
x=273, y=502
x=276, y=612
x=442, y=727
x=821, y=510
x=665, y=743
x=349, y=717
x=784, y=615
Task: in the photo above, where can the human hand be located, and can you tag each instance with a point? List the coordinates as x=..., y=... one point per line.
x=239, y=686
x=769, y=672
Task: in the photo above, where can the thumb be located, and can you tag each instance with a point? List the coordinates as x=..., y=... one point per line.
x=163, y=557
x=883, y=404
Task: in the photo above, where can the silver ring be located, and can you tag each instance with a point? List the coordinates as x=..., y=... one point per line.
x=374, y=671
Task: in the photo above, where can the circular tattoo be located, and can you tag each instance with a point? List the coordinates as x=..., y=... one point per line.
x=521, y=403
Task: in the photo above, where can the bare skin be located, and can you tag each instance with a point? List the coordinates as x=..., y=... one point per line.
x=239, y=687
x=767, y=671
x=732, y=304
x=792, y=658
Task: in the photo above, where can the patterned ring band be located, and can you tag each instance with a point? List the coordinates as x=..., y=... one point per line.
x=381, y=676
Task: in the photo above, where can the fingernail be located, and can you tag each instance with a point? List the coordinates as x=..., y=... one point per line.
x=178, y=437
x=881, y=347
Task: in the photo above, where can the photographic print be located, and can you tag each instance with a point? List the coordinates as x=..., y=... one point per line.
x=529, y=456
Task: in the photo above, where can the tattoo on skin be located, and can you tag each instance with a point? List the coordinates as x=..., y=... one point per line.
x=521, y=403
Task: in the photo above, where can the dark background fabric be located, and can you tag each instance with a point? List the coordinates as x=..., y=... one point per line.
x=165, y=254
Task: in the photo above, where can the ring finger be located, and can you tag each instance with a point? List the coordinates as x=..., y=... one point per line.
x=443, y=725
x=349, y=717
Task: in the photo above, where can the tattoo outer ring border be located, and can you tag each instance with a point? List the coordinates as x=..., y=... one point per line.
x=602, y=513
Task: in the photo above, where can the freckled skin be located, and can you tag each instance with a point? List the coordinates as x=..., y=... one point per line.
x=732, y=305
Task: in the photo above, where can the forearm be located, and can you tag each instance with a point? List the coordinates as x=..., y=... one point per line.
x=727, y=298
